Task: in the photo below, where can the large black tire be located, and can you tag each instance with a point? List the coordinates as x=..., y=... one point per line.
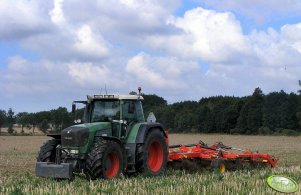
x=104, y=161
x=47, y=151
x=151, y=157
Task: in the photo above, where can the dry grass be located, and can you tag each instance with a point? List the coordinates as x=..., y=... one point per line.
x=17, y=161
x=17, y=153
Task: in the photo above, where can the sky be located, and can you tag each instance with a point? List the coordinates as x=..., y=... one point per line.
x=54, y=52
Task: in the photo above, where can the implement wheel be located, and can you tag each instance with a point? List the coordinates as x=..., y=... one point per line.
x=218, y=165
x=104, y=160
x=151, y=156
x=47, y=151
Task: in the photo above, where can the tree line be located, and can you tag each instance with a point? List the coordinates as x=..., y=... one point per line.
x=274, y=113
x=52, y=121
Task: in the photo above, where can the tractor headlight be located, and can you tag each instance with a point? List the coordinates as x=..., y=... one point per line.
x=73, y=151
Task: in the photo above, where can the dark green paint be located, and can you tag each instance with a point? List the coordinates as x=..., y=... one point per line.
x=103, y=128
x=131, y=139
x=93, y=128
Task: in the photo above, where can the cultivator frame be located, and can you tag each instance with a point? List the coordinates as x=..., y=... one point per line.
x=216, y=156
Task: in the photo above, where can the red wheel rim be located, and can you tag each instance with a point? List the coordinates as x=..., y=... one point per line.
x=155, y=156
x=111, y=165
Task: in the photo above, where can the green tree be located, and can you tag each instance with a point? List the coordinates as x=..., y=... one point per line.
x=44, y=125
x=288, y=110
x=2, y=118
x=10, y=120
x=250, y=118
x=271, y=111
x=281, y=111
x=184, y=121
x=60, y=118
x=32, y=118
x=230, y=116
x=298, y=113
x=10, y=116
x=22, y=119
x=185, y=116
x=205, y=120
x=152, y=101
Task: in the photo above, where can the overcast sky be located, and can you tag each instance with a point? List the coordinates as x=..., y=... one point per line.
x=54, y=52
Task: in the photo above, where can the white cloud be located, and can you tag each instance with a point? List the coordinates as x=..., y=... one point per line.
x=205, y=34
x=161, y=72
x=292, y=35
x=57, y=31
x=124, y=22
x=268, y=59
x=89, y=43
x=90, y=75
x=23, y=77
x=21, y=19
x=69, y=42
x=57, y=14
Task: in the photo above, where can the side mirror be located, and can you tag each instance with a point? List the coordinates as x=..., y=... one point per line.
x=73, y=107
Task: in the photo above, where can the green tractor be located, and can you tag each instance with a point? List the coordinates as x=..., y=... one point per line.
x=114, y=138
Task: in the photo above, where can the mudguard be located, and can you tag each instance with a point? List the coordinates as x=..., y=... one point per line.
x=55, y=136
x=144, y=128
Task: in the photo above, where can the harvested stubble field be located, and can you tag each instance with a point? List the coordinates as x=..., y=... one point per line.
x=17, y=161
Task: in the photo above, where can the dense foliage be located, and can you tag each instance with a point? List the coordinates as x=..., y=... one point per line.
x=274, y=113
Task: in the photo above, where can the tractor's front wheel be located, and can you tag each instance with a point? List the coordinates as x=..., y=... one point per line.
x=104, y=160
x=151, y=157
x=47, y=151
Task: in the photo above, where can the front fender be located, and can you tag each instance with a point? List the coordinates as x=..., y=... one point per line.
x=55, y=136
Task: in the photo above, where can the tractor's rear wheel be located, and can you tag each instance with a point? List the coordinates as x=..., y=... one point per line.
x=47, y=151
x=104, y=160
x=151, y=157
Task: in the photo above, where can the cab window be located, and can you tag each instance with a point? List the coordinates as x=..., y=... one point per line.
x=129, y=111
x=105, y=110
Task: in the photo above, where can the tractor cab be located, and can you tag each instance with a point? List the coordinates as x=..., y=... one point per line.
x=121, y=111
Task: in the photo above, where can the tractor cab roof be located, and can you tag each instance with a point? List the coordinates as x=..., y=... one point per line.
x=114, y=96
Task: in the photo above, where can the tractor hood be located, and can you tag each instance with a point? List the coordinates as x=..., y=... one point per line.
x=75, y=136
x=79, y=135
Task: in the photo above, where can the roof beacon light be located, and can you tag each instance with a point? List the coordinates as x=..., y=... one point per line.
x=139, y=90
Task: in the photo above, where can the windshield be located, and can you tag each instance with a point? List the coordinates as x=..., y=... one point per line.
x=105, y=110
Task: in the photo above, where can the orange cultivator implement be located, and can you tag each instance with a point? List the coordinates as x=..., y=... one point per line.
x=217, y=156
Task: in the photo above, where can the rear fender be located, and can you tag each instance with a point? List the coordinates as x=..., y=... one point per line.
x=145, y=128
